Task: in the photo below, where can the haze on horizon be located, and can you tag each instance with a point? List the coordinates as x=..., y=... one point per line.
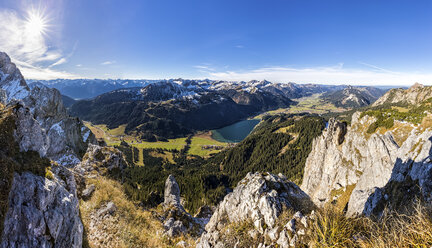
x=332, y=42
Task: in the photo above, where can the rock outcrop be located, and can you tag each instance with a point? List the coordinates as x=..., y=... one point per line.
x=411, y=177
x=355, y=163
x=65, y=137
x=260, y=199
x=43, y=212
x=347, y=173
x=101, y=160
x=11, y=80
x=102, y=222
x=172, y=193
x=176, y=220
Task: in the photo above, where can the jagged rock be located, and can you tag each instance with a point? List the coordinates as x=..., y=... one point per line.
x=42, y=213
x=411, y=177
x=283, y=240
x=87, y=193
x=101, y=160
x=11, y=80
x=175, y=219
x=364, y=162
x=29, y=133
x=172, y=193
x=182, y=244
x=359, y=162
x=110, y=209
x=174, y=227
x=260, y=198
x=64, y=137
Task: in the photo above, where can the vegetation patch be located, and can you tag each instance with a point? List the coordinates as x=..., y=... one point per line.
x=343, y=195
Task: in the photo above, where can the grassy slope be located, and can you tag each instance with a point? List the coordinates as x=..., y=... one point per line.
x=135, y=227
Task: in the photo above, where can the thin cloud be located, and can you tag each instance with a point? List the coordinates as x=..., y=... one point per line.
x=109, y=62
x=41, y=73
x=58, y=62
x=204, y=68
x=376, y=67
x=327, y=75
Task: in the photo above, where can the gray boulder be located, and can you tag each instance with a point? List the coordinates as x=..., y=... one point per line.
x=87, y=193
x=42, y=213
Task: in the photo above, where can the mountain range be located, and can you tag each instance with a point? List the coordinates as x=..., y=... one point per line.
x=365, y=182
x=177, y=107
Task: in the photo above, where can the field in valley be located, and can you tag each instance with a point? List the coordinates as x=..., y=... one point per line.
x=201, y=144
x=310, y=104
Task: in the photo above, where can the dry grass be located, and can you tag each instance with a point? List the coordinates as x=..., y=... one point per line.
x=332, y=229
x=133, y=226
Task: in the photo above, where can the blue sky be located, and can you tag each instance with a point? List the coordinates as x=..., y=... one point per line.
x=333, y=42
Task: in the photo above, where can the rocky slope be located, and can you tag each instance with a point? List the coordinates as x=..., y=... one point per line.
x=353, y=97
x=258, y=201
x=414, y=95
x=348, y=164
x=38, y=193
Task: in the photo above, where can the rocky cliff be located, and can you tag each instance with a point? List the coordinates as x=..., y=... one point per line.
x=347, y=163
x=39, y=198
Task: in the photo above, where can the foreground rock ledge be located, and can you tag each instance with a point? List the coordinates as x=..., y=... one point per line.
x=259, y=197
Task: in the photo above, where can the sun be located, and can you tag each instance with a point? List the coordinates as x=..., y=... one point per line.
x=36, y=23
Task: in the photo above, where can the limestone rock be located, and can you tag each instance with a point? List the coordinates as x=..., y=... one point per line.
x=87, y=193
x=411, y=177
x=359, y=162
x=414, y=95
x=172, y=193
x=42, y=213
x=11, y=80
x=176, y=220
x=29, y=133
x=110, y=209
x=260, y=198
x=101, y=160
x=363, y=163
x=65, y=137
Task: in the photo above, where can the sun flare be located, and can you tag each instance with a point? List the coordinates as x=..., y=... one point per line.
x=36, y=23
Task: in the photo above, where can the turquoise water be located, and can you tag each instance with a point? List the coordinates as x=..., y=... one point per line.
x=236, y=132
